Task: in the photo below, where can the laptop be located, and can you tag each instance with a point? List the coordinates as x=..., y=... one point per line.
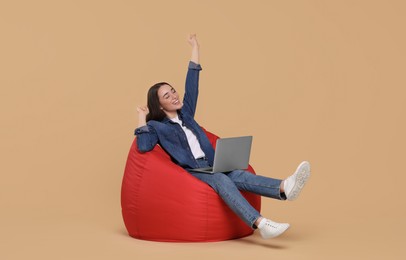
x=231, y=153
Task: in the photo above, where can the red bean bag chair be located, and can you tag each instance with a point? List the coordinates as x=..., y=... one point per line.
x=161, y=201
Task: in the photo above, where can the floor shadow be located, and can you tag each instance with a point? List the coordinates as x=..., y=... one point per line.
x=252, y=240
x=255, y=240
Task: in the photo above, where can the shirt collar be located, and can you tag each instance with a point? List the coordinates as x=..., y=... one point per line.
x=166, y=119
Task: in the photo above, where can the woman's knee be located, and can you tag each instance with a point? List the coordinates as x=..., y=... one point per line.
x=240, y=175
x=221, y=180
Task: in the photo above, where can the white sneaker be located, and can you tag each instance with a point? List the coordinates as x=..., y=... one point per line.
x=295, y=183
x=271, y=229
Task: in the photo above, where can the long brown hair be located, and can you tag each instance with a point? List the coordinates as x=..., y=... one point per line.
x=154, y=107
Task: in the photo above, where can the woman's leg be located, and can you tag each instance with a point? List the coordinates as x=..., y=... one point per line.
x=289, y=188
x=230, y=194
x=257, y=184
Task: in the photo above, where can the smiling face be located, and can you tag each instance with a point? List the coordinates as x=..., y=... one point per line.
x=169, y=100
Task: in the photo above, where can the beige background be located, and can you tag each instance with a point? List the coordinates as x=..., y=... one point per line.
x=311, y=80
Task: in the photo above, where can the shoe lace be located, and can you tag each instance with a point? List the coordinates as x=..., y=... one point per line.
x=271, y=225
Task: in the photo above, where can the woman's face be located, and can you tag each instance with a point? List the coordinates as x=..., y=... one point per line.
x=169, y=99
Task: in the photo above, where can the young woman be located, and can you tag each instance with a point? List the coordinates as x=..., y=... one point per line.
x=169, y=122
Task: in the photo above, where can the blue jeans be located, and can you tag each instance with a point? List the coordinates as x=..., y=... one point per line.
x=228, y=186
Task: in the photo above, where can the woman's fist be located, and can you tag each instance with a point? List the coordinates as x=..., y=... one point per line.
x=142, y=111
x=193, y=40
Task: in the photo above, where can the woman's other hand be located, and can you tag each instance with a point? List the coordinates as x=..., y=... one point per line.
x=142, y=115
x=142, y=111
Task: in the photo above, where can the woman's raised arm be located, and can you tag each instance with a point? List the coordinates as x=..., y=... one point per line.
x=192, y=79
x=195, y=48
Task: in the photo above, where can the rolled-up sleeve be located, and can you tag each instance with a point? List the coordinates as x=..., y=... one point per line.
x=146, y=138
x=194, y=66
x=140, y=130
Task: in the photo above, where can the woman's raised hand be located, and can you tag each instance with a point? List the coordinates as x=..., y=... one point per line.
x=142, y=110
x=192, y=39
x=142, y=115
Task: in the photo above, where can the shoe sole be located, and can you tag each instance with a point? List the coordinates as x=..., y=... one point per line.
x=302, y=175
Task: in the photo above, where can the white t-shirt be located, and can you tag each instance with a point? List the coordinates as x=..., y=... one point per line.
x=191, y=139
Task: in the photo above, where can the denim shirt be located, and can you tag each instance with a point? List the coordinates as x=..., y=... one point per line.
x=170, y=136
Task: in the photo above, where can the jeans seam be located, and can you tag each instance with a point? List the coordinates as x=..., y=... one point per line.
x=266, y=186
x=262, y=186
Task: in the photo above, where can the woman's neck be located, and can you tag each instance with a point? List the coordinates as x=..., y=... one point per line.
x=172, y=114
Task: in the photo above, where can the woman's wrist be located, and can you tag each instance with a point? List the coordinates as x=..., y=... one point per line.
x=195, y=54
x=142, y=121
